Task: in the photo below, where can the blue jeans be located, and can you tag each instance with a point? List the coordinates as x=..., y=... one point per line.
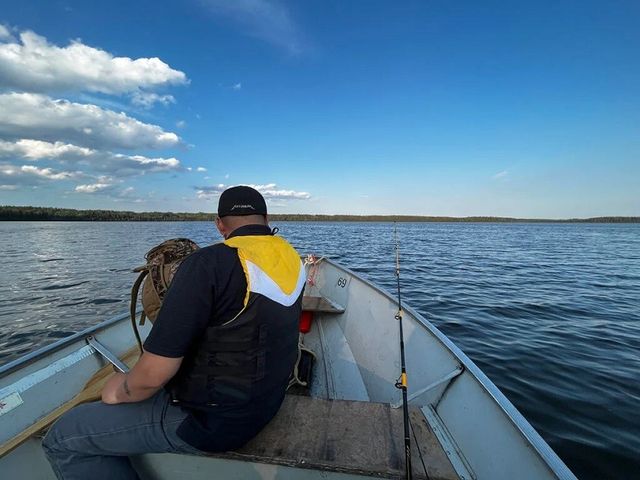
x=95, y=440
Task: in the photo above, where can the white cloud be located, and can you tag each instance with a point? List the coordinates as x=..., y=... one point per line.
x=37, y=149
x=237, y=86
x=28, y=115
x=5, y=34
x=33, y=64
x=8, y=170
x=201, y=169
x=181, y=124
x=207, y=192
x=272, y=191
x=269, y=191
x=499, y=175
x=148, y=99
x=141, y=164
x=32, y=175
x=113, y=192
x=93, y=187
x=116, y=164
x=47, y=173
x=264, y=19
x=128, y=195
x=70, y=140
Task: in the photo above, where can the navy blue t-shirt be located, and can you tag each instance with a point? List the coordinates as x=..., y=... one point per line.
x=209, y=289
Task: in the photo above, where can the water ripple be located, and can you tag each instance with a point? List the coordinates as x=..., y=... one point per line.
x=63, y=286
x=548, y=312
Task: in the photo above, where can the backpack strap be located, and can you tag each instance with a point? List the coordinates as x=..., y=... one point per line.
x=295, y=376
x=132, y=306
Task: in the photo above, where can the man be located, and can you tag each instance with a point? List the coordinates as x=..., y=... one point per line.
x=216, y=363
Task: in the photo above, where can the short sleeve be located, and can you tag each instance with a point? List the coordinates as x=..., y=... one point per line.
x=186, y=309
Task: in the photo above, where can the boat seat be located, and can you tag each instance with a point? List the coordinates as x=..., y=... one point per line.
x=320, y=304
x=348, y=437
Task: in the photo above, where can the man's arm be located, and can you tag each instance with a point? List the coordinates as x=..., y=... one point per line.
x=183, y=318
x=148, y=376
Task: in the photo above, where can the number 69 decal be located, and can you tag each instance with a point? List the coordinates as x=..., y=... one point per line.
x=342, y=282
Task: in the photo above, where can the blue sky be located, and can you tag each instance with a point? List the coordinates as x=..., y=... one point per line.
x=528, y=109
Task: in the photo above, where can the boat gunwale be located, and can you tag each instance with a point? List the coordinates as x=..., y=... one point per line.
x=542, y=448
x=35, y=355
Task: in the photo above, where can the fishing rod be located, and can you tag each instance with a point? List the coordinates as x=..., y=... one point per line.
x=402, y=381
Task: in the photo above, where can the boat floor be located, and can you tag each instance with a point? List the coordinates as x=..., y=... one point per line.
x=357, y=438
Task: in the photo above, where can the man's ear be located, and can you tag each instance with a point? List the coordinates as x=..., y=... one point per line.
x=221, y=228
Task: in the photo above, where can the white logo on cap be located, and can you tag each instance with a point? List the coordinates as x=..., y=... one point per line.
x=242, y=206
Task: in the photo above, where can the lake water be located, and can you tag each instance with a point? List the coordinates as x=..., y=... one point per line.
x=550, y=312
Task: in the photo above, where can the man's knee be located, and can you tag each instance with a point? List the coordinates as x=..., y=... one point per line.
x=52, y=440
x=68, y=425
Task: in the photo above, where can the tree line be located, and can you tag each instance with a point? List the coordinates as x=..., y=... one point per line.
x=25, y=213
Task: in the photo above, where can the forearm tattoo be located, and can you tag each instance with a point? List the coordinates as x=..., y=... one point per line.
x=125, y=386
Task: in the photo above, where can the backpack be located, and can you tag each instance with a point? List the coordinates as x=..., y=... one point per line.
x=162, y=264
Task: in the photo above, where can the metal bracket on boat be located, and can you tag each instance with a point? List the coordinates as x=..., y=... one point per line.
x=449, y=376
x=107, y=354
x=449, y=445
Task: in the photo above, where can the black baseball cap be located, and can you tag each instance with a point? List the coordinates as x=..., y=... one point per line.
x=241, y=200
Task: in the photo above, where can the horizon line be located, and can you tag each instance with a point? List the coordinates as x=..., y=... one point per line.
x=15, y=211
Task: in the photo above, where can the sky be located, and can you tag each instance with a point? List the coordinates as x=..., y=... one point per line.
x=460, y=108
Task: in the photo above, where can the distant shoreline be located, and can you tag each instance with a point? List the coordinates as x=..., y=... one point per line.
x=24, y=213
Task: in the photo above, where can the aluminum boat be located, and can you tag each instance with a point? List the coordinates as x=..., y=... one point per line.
x=346, y=424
